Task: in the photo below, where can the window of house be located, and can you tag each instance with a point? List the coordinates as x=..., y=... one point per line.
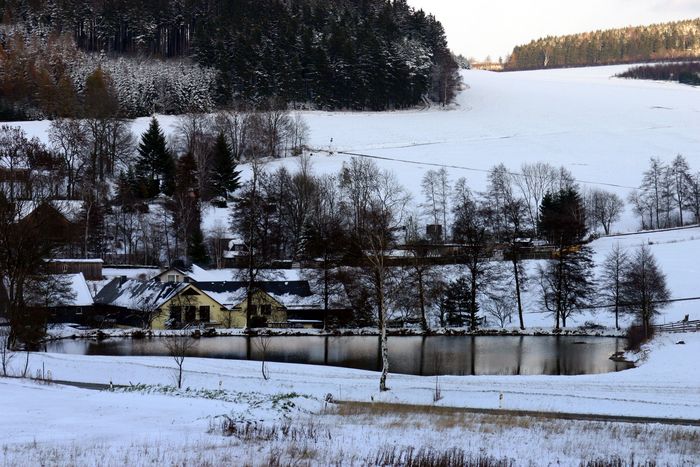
x=204, y=314
x=253, y=309
x=176, y=313
x=172, y=278
x=190, y=314
x=265, y=309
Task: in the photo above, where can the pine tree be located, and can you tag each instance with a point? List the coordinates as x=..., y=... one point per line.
x=196, y=249
x=226, y=178
x=566, y=279
x=155, y=167
x=456, y=303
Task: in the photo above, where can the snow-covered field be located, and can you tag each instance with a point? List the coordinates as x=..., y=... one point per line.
x=286, y=417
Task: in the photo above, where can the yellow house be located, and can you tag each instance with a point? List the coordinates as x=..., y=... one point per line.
x=166, y=305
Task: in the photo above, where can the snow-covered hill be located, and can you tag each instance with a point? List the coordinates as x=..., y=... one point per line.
x=603, y=129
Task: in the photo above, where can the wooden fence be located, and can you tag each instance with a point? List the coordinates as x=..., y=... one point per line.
x=683, y=326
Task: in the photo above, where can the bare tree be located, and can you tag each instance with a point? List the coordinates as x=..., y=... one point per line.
x=614, y=268
x=500, y=309
x=605, y=208
x=326, y=241
x=217, y=237
x=534, y=181
x=375, y=205
x=235, y=125
x=253, y=220
x=147, y=312
x=643, y=206
x=693, y=196
x=680, y=173
x=652, y=188
x=297, y=135
x=644, y=287
x=25, y=243
x=262, y=342
x=421, y=275
x=69, y=139
x=178, y=347
x=6, y=354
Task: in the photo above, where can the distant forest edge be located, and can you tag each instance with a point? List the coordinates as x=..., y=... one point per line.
x=172, y=56
x=667, y=41
x=684, y=73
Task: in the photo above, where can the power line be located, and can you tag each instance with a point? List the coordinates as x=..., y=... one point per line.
x=654, y=302
x=458, y=167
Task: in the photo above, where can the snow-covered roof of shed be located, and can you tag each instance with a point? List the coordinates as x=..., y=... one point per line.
x=141, y=273
x=80, y=289
x=78, y=293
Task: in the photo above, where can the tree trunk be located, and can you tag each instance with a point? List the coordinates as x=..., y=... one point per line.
x=382, y=331
x=421, y=301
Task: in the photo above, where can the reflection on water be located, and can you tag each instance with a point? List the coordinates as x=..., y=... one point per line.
x=443, y=355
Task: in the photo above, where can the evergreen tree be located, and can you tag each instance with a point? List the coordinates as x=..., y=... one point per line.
x=566, y=280
x=155, y=167
x=225, y=177
x=456, y=304
x=196, y=249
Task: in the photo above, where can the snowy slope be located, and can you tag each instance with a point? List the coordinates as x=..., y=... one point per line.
x=603, y=129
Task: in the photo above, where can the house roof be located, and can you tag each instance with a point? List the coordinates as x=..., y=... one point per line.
x=77, y=292
x=70, y=209
x=80, y=288
x=135, y=294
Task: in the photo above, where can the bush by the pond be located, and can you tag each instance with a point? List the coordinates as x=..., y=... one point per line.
x=636, y=337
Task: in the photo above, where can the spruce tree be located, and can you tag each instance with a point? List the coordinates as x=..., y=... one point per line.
x=225, y=177
x=155, y=167
x=196, y=249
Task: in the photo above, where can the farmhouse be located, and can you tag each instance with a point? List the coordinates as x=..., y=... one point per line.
x=177, y=304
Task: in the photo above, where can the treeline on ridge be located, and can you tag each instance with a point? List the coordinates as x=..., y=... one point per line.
x=674, y=40
x=371, y=54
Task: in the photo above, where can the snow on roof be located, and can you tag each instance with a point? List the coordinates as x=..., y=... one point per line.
x=199, y=274
x=135, y=294
x=80, y=288
x=290, y=294
x=76, y=286
x=142, y=273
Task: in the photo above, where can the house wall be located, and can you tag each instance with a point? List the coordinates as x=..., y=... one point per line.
x=179, y=277
x=218, y=316
x=91, y=270
x=278, y=313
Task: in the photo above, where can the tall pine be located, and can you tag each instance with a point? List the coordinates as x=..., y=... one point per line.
x=225, y=178
x=155, y=167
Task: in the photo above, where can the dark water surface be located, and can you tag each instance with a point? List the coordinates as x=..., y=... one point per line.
x=427, y=356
